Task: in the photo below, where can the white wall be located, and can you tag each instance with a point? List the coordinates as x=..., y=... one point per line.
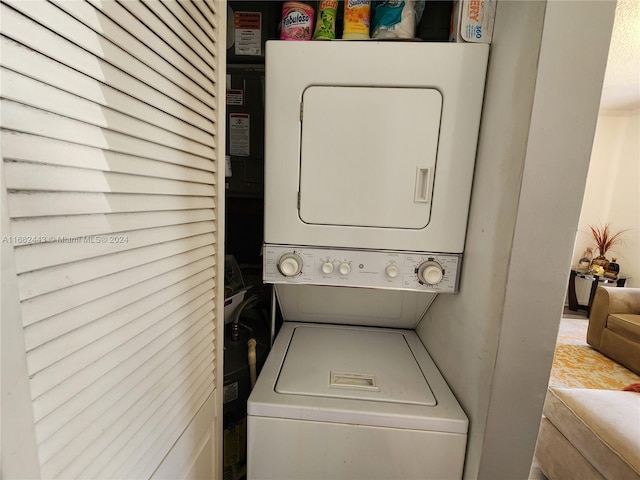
x=494, y=341
x=461, y=332
x=612, y=193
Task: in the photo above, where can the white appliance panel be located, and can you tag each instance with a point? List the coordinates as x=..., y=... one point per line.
x=445, y=416
x=296, y=449
x=297, y=435
x=297, y=185
x=369, y=157
x=352, y=306
x=394, y=270
x=371, y=165
x=340, y=362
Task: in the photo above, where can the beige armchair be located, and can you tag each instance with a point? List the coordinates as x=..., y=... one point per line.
x=614, y=325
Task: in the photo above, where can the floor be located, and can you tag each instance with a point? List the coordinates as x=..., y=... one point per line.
x=536, y=472
x=577, y=365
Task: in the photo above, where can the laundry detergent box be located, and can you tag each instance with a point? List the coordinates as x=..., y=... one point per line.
x=472, y=21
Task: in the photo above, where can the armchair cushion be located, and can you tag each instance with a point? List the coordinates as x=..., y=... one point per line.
x=625, y=324
x=590, y=434
x=614, y=325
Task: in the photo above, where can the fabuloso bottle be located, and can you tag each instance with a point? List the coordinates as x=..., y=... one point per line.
x=356, y=19
x=297, y=21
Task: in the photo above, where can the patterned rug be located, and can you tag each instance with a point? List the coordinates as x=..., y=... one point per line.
x=577, y=365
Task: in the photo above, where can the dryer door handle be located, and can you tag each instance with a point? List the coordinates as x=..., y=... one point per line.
x=423, y=185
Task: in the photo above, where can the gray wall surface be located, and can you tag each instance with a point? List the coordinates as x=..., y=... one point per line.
x=494, y=341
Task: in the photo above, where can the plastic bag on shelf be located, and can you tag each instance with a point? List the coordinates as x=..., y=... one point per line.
x=395, y=18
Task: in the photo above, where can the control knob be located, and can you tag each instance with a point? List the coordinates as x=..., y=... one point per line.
x=327, y=267
x=392, y=270
x=290, y=264
x=344, y=268
x=429, y=273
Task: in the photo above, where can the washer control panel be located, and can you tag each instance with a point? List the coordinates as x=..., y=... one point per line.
x=432, y=272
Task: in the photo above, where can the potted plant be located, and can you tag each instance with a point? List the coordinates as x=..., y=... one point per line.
x=605, y=239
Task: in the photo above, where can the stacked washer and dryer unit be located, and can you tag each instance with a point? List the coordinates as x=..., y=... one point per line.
x=369, y=157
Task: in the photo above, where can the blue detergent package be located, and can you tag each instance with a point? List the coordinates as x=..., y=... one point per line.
x=395, y=18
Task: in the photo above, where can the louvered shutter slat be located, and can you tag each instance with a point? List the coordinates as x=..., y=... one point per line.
x=62, y=300
x=110, y=148
x=67, y=54
x=181, y=25
x=39, y=282
x=21, y=176
x=40, y=122
x=34, y=93
x=104, y=107
x=47, y=151
x=87, y=225
x=44, y=328
x=197, y=67
x=101, y=332
x=133, y=373
x=100, y=454
x=43, y=255
x=42, y=204
x=57, y=20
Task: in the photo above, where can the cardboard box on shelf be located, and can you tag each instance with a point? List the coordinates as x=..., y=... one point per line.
x=472, y=21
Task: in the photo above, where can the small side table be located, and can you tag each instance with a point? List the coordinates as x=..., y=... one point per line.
x=595, y=281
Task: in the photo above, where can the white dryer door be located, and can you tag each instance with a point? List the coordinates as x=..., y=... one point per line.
x=368, y=155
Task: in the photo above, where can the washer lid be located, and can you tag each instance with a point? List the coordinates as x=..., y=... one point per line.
x=375, y=365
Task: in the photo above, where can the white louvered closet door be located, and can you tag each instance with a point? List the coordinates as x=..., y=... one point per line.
x=112, y=217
